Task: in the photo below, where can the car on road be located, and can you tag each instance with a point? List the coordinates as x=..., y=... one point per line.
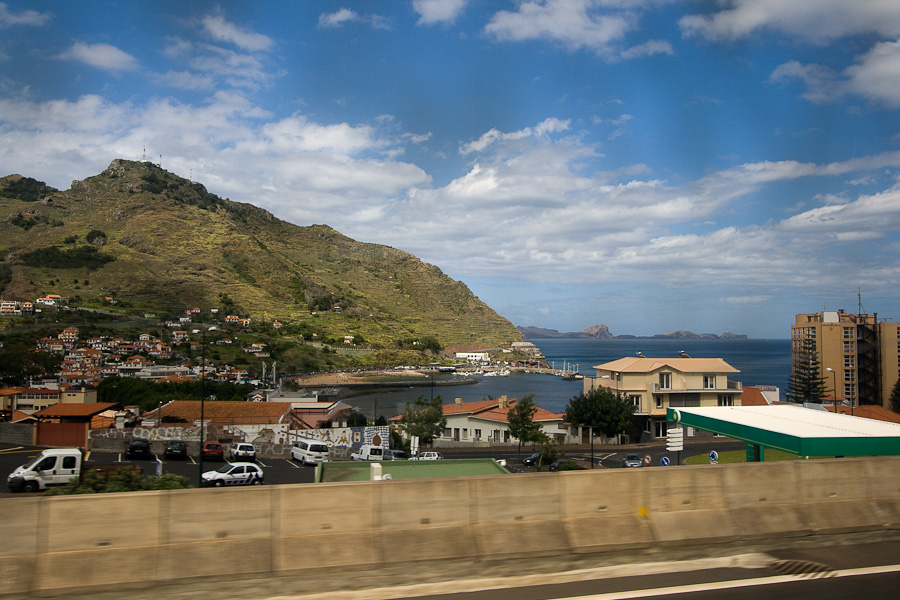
x=428, y=456
x=138, y=448
x=565, y=465
x=632, y=461
x=534, y=460
x=175, y=450
x=213, y=451
x=243, y=451
x=239, y=473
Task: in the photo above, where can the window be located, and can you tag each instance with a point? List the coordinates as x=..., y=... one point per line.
x=665, y=381
x=465, y=434
x=662, y=428
x=68, y=462
x=636, y=400
x=709, y=382
x=848, y=361
x=447, y=432
x=848, y=347
x=848, y=390
x=659, y=402
x=848, y=333
x=726, y=400
x=477, y=434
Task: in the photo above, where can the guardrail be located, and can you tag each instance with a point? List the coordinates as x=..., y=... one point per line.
x=55, y=545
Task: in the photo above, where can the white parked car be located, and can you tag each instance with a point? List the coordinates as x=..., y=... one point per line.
x=428, y=456
x=239, y=473
x=309, y=452
x=243, y=451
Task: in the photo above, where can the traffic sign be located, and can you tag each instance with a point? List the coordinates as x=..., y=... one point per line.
x=713, y=457
x=647, y=460
x=664, y=461
x=675, y=440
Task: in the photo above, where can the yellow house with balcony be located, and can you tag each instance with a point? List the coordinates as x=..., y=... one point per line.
x=655, y=384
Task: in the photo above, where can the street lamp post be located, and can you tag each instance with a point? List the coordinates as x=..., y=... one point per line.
x=833, y=386
x=202, y=402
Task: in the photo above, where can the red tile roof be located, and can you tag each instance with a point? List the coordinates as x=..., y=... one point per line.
x=88, y=409
x=227, y=412
x=751, y=396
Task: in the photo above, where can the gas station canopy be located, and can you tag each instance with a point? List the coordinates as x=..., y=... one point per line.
x=794, y=429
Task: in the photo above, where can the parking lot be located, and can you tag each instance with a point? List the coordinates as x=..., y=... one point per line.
x=285, y=471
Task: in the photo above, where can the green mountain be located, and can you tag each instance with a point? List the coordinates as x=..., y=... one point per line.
x=156, y=242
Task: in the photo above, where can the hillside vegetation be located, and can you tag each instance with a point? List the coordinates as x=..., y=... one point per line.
x=156, y=242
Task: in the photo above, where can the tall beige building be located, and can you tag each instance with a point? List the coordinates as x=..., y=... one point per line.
x=858, y=355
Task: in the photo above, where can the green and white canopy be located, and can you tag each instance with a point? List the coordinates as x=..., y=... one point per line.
x=795, y=429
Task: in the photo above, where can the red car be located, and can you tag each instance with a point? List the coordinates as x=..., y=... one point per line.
x=213, y=451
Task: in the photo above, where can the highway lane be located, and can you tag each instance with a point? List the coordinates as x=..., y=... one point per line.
x=867, y=570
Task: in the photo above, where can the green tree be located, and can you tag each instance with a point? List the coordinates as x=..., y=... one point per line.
x=600, y=408
x=521, y=422
x=356, y=419
x=806, y=383
x=895, y=397
x=424, y=419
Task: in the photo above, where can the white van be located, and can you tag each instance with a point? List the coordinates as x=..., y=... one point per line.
x=368, y=452
x=309, y=452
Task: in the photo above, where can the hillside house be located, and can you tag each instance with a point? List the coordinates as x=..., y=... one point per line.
x=656, y=384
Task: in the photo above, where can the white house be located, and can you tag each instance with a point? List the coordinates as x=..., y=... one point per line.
x=486, y=423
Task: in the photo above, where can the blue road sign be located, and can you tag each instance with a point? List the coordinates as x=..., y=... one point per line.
x=713, y=456
x=665, y=461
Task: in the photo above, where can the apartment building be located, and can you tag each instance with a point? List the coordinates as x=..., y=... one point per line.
x=858, y=356
x=655, y=384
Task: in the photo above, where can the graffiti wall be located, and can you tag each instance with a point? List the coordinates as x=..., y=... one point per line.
x=273, y=441
x=346, y=437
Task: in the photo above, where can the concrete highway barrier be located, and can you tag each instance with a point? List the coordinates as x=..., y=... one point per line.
x=107, y=542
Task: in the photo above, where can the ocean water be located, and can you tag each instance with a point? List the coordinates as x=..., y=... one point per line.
x=761, y=362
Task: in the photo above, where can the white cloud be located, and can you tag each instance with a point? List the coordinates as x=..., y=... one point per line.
x=648, y=48
x=102, y=56
x=877, y=74
x=432, y=12
x=546, y=127
x=814, y=20
x=338, y=18
x=223, y=31
x=345, y=15
x=575, y=24
x=24, y=17
x=184, y=80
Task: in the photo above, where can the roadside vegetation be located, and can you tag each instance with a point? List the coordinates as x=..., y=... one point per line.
x=738, y=456
x=127, y=479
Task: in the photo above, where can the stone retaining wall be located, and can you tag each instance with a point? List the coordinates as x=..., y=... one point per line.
x=108, y=542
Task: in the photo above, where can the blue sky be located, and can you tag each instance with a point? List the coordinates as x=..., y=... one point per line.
x=649, y=165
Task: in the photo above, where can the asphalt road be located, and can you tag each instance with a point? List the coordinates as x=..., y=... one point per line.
x=869, y=570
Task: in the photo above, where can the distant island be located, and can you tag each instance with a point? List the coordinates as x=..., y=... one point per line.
x=601, y=332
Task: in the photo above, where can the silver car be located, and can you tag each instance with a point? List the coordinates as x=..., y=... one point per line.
x=243, y=452
x=632, y=460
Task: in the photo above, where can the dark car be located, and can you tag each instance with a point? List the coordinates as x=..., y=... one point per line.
x=138, y=449
x=534, y=460
x=176, y=450
x=213, y=451
x=395, y=455
x=565, y=465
